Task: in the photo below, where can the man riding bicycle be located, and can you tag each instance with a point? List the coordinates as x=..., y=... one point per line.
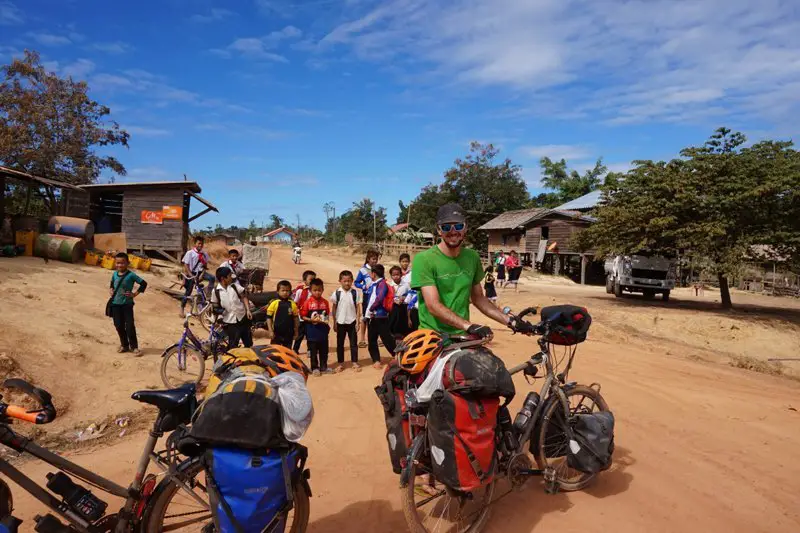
x=448, y=277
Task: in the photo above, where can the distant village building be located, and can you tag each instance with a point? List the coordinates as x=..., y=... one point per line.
x=223, y=238
x=544, y=237
x=409, y=232
x=280, y=235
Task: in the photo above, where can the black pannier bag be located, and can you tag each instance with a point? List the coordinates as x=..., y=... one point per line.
x=391, y=393
x=477, y=373
x=594, y=434
x=569, y=324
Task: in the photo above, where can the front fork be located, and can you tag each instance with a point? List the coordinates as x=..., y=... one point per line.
x=413, y=453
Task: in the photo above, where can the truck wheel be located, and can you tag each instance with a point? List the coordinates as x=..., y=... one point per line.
x=617, y=289
x=665, y=296
x=609, y=285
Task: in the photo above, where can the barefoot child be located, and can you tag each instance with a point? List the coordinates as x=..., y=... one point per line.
x=488, y=285
x=346, y=316
x=121, y=304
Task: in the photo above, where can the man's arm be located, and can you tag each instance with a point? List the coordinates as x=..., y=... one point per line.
x=486, y=307
x=430, y=295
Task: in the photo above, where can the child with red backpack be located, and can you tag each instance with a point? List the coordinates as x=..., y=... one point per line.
x=380, y=302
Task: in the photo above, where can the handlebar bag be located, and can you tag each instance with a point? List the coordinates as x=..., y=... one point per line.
x=477, y=372
x=593, y=435
x=461, y=432
x=250, y=490
x=569, y=324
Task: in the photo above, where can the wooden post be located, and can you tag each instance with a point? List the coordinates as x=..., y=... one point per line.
x=583, y=269
x=2, y=198
x=556, y=265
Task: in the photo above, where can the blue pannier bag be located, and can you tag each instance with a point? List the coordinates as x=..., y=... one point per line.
x=251, y=491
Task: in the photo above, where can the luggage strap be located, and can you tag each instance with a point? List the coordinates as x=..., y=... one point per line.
x=473, y=461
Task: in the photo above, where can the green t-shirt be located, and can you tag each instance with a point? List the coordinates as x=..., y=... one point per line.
x=453, y=278
x=128, y=279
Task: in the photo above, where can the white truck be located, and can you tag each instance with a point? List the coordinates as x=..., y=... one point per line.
x=648, y=275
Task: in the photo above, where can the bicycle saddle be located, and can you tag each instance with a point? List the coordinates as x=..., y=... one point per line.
x=166, y=400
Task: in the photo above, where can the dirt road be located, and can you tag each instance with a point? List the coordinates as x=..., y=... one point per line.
x=701, y=446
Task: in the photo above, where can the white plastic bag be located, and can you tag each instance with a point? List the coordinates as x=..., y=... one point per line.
x=434, y=380
x=297, y=410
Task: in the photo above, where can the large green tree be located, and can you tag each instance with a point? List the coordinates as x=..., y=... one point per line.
x=365, y=221
x=481, y=183
x=49, y=126
x=567, y=184
x=715, y=201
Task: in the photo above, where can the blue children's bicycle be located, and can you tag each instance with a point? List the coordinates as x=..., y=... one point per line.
x=185, y=361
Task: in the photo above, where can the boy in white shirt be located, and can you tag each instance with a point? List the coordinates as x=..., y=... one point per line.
x=398, y=318
x=232, y=301
x=346, y=316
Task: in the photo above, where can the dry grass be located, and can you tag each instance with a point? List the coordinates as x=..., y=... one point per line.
x=746, y=362
x=217, y=251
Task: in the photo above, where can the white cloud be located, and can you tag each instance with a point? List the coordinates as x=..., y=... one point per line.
x=49, y=39
x=116, y=47
x=622, y=61
x=214, y=15
x=10, y=14
x=556, y=152
x=261, y=48
x=79, y=69
x=144, y=131
x=151, y=173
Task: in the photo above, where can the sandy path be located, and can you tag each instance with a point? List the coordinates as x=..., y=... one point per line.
x=701, y=446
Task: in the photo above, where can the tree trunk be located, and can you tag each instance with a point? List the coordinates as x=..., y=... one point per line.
x=724, y=291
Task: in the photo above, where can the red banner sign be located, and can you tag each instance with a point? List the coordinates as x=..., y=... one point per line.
x=152, y=217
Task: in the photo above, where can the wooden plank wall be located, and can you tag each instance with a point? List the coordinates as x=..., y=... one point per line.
x=169, y=236
x=506, y=240
x=76, y=203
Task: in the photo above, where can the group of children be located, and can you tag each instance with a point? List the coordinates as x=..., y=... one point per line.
x=365, y=310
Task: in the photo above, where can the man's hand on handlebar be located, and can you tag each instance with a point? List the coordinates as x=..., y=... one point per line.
x=484, y=332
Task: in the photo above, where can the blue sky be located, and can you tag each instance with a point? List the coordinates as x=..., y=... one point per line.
x=279, y=106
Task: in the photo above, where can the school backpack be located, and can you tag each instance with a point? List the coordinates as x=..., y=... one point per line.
x=477, y=372
x=353, y=293
x=252, y=490
x=461, y=433
x=388, y=300
x=241, y=407
x=569, y=324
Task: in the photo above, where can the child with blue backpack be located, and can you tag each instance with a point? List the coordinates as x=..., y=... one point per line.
x=379, y=304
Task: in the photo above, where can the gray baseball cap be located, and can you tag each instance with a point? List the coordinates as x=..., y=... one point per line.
x=452, y=213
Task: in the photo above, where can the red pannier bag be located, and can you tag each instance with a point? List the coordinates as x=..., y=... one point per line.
x=461, y=433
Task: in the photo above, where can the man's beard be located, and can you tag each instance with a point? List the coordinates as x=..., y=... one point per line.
x=454, y=246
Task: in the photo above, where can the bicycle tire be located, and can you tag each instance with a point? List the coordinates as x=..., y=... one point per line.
x=206, y=317
x=166, y=490
x=410, y=507
x=6, y=500
x=169, y=358
x=547, y=417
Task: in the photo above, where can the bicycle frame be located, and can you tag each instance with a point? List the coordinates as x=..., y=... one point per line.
x=132, y=495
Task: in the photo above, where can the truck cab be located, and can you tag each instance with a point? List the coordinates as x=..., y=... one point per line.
x=646, y=274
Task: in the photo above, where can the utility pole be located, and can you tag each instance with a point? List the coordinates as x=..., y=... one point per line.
x=374, y=227
x=408, y=214
x=298, y=225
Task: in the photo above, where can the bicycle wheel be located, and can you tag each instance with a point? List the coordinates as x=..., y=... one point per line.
x=553, y=442
x=206, y=317
x=182, y=365
x=172, y=509
x=429, y=507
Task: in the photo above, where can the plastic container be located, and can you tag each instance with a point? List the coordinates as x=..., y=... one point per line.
x=145, y=263
x=28, y=240
x=92, y=257
x=134, y=260
x=108, y=261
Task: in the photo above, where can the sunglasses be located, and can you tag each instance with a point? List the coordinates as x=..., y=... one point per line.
x=446, y=228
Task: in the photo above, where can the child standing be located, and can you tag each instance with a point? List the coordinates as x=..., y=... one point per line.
x=283, y=316
x=236, y=315
x=488, y=285
x=315, y=313
x=346, y=318
x=501, y=268
x=301, y=294
x=405, y=265
x=412, y=302
x=378, y=317
x=234, y=263
x=398, y=316
x=121, y=303
x=363, y=282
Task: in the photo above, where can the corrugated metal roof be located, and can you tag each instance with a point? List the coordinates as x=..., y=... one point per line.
x=587, y=201
x=186, y=185
x=24, y=176
x=514, y=219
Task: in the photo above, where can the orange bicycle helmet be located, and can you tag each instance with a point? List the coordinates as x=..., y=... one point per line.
x=418, y=349
x=281, y=359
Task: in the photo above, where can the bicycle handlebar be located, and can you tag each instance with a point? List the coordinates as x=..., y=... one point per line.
x=45, y=415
